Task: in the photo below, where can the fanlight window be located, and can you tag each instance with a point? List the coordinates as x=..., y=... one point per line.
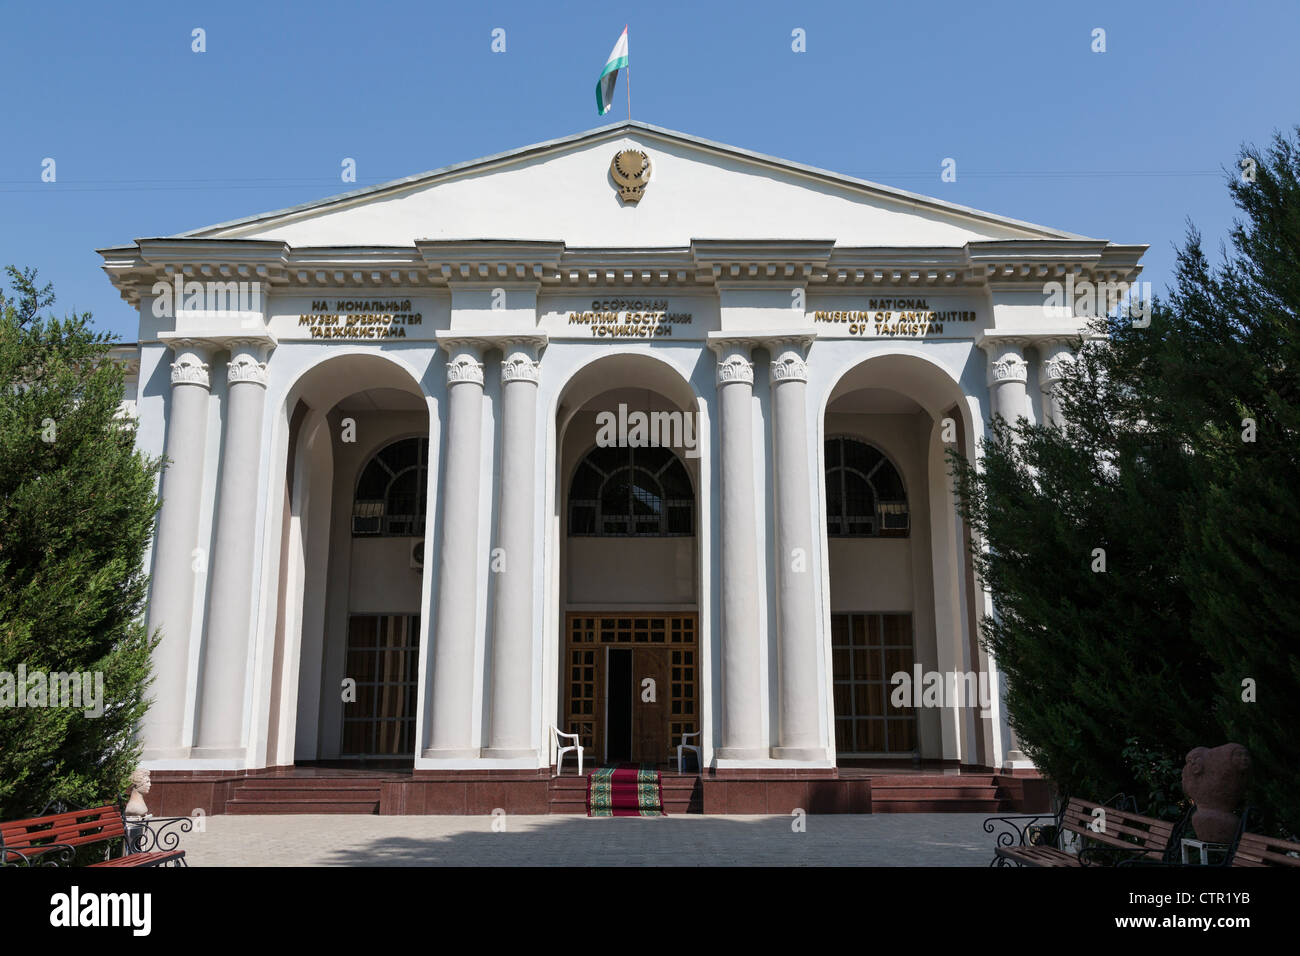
x=626, y=492
x=864, y=493
x=390, y=498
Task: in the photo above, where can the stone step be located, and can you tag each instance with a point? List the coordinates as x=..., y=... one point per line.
x=891, y=781
x=940, y=806
x=316, y=794
x=367, y=807
x=307, y=783
x=935, y=793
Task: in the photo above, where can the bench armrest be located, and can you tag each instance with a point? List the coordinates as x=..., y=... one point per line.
x=1013, y=829
x=156, y=833
x=47, y=854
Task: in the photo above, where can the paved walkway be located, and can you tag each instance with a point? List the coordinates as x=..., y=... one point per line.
x=883, y=839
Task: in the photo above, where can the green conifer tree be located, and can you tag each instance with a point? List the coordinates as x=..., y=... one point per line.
x=77, y=508
x=1178, y=460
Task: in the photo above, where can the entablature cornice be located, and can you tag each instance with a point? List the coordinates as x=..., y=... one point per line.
x=750, y=261
x=1015, y=263
x=706, y=264
x=488, y=260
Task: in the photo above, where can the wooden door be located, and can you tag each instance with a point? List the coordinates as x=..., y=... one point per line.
x=650, y=716
x=664, y=647
x=382, y=657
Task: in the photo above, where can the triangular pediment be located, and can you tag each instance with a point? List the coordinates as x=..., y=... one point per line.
x=564, y=190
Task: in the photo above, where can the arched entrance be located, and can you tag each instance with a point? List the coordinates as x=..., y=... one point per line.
x=903, y=613
x=351, y=568
x=628, y=488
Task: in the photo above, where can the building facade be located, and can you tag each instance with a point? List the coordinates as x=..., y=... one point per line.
x=628, y=434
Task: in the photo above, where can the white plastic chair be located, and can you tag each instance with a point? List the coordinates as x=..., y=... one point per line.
x=556, y=734
x=699, y=751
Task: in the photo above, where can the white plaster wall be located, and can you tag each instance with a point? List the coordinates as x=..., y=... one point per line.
x=692, y=192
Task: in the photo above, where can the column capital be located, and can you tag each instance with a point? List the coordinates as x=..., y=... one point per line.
x=734, y=368
x=789, y=356
x=193, y=359
x=464, y=358
x=734, y=358
x=464, y=367
x=1055, y=361
x=1006, y=357
x=248, y=358
x=521, y=356
x=190, y=368
x=520, y=367
x=1008, y=366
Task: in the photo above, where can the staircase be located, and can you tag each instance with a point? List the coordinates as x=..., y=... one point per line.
x=682, y=793
x=304, y=795
x=964, y=793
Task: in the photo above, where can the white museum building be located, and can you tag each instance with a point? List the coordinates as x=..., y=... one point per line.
x=629, y=435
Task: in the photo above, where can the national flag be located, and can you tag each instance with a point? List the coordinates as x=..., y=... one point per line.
x=605, y=85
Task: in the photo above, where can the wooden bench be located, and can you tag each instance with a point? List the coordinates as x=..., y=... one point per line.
x=1105, y=835
x=53, y=839
x=1254, y=849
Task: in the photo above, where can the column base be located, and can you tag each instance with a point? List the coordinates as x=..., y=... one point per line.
x=1015, y=760
x=807, y=754
x=448, y=753
x=740, y=753
x=502, y=753
x=164, y=753
x=217, y=753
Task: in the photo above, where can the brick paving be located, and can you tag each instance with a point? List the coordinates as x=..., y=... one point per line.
x=895, y=839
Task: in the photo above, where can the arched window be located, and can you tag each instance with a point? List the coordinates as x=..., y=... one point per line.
x=624, y=492
x=864, y=493
x=390, y=498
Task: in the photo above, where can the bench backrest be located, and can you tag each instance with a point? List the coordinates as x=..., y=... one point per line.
x=1118, y=828
x=1254, y=849
x=77, y=828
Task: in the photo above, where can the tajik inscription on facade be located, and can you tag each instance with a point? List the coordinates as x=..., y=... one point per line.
x=359, y=319
x=896, y=317
x=630, y=318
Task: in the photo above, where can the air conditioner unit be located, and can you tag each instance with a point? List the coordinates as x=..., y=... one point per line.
x=417, y=554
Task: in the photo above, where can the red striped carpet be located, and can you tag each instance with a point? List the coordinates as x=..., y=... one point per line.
x=625, y=791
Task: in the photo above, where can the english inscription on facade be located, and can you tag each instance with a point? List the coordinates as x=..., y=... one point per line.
x=909, y=318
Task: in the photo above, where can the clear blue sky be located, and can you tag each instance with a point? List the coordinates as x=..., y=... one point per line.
x=152, y=139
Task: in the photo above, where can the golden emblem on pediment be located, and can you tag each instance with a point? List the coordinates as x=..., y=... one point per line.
x=630, y=169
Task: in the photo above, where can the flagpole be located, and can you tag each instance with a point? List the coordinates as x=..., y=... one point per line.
x=628, y=70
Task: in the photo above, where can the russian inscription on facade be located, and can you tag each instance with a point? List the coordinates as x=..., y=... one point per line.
x=359, y=319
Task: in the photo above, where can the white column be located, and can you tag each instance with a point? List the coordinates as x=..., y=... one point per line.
x=511, y=677
x=798, y=733
x=458, y=557
x=175, y=564
x=1008, y=376
x=225, y=654
x=741, y=737
x=1053, y=360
